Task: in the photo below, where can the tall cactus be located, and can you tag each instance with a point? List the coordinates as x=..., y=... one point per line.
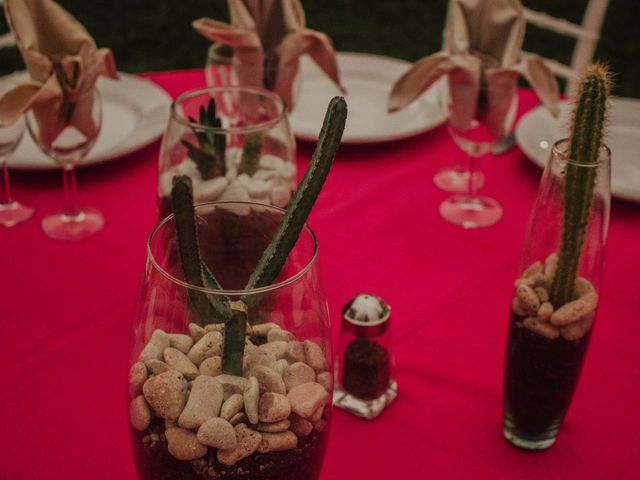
x=586, y=138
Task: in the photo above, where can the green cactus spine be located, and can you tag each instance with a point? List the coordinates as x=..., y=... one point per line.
x=586, y=139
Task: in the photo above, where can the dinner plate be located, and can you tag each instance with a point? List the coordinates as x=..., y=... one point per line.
x=135, y=112
x=538, y=130
x=368, y=80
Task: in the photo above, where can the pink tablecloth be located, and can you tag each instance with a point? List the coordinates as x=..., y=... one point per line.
x=66, y=311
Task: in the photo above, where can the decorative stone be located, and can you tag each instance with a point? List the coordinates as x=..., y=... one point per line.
x=545, y=311
x=544, y=329
x=300, y=426
x=232, y=384
x=550, y=267
x=232, y=406
x=183, y=444
x=297, y=374
x=262, y=329
x=251, y=398
x=261, y=356
x=317, y=415
x=280, y=196
x=211, y=366
x=155, y=346
x=137, y=377
x=577, y=330
x=314, y=356
x=277, y=427
x=295, y=353
x=218, y=433
x=326, y=380
x=204, y=402
x=575, y=310
x=214, y=327
x=210, y=190
x=258, y=188
x=139, y=413
x=273, y=407
x=269, y=380
x=166, y=393
x=288, y=171
x=277, y=442
x=196, y=331
x=179, y=361
x=281, y=366
x=208, y=346
x=247, y=442
x=305, y=399
x=528, y=298
x=181, y=342
x=240, y=417
x=280, y=335
x=271, y=162
x=582, y=286
x=542, y=294
x=517, y=307
x=278, y=348
x=156, y=367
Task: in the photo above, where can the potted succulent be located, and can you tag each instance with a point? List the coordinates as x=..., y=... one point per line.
x=231, y=360
x=557, y=291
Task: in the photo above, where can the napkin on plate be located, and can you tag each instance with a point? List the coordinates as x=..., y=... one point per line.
x=483, y=42
x=63, y=62
x=268, y=37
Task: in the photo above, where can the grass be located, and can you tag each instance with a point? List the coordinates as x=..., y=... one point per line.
x=147, y=35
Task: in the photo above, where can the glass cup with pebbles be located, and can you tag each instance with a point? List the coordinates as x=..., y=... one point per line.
x=234, y=142
x=188, y=418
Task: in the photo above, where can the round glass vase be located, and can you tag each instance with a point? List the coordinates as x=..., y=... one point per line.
x=547, y=342
x=189, y=417
x=242, y=151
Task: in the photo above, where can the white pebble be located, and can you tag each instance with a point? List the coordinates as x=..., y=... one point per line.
x=271, y=162
x=280, y=196
x=183, y=444
x=218, y=433
x=258, y=188
x=204, y=402
x=210, y=190
x=154, y=348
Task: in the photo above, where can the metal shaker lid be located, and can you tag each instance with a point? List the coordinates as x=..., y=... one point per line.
x=366, y=310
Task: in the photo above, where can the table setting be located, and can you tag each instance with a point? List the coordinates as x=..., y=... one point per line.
x=274, y=268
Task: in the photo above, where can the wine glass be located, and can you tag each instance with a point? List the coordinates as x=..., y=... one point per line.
x=286, y=330
x=222, y=69
x=240, y=148
x=12, y=212
x=475, y=139
x=66, y=129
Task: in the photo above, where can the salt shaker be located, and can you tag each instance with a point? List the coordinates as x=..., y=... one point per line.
x=365, y=364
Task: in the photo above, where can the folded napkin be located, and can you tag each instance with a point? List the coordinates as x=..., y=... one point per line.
x=268, y=37
x=63, y=62
x=482, y=59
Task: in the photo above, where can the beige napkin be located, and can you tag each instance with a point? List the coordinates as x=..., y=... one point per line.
x=63, y=62
x=483, y=41
x=268, y=37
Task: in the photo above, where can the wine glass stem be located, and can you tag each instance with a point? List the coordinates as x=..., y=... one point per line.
x=70, y=189
x=5, y=198
x=471, y=184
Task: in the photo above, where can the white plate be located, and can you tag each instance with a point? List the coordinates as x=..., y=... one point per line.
x=368, y=80
x=135, y=112
x=538, y=130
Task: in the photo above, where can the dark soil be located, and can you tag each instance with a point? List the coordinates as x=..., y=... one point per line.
x=154, y=462
x=540, y=378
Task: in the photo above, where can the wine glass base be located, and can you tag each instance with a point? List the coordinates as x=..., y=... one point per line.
x=13, y=213
x=456, y=179
x=62, y=226
x=471, y=212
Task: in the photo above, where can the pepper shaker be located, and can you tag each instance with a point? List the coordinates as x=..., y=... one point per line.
x=365, y=364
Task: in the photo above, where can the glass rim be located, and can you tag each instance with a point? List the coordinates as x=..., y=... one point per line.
x=282, y=110
x=560, y=147
x=251, y=291
x=212, y=52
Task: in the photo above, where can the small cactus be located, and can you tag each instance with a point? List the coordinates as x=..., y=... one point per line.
x=250, y=160
x=209, y=155
x=586, y=139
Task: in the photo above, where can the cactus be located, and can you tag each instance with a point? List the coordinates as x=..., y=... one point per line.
x=234, y=313
x=586, y=139
x=288, y=230
x=209, y=155
x=250, y=160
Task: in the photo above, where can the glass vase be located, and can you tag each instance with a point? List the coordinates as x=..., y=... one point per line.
x=246, y=154
x=547, y=342
x=189, y=417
